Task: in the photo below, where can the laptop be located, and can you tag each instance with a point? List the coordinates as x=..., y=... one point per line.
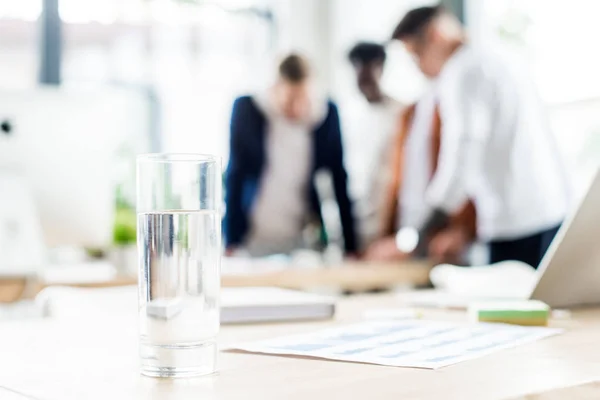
x=568, y=275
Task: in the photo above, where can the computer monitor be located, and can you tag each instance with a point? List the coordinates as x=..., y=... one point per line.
x=63, y=144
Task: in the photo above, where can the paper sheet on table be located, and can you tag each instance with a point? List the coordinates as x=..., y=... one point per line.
x=417, y=344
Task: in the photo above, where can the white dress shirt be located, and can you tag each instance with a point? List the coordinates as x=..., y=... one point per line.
x=416, y=171
x=497, y=147
x=368, y=131
x=279, y=213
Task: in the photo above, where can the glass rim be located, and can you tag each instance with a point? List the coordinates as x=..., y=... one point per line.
x=177, y=157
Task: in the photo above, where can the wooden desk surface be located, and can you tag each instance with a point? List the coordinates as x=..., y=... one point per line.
x=586, y=391
x=97, y=359
x=355, y=277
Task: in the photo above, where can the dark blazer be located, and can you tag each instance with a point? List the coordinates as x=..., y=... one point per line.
x=247, y=161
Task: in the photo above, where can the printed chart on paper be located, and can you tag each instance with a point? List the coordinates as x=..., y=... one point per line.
x=417, y=344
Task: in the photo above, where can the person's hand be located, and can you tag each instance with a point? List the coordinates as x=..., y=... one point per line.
x=230, y=251
x=448, y=245
x=385, y=250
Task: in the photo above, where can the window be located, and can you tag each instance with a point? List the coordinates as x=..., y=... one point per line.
x=557, y=38
x=191, y=56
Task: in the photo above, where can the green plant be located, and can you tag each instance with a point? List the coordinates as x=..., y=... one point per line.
x=124, y=231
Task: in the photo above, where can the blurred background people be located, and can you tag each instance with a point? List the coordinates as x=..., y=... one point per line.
x=368, y=137
x=279, y=139
x=496, y=146
x=415, y=158
x=124, y=77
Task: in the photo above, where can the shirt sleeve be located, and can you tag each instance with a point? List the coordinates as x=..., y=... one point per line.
x=340, y=180
x=464, y=124
x=235, y=219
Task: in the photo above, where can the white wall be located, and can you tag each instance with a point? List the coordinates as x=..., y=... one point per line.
x=305, y=26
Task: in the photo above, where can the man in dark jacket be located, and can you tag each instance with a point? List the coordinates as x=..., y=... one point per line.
x=279, y=140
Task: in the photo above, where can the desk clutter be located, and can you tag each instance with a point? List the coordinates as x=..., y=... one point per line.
x=416, y=343
x=237, y=305
x=31, y=365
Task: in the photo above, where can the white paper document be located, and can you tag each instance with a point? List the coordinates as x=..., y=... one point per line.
x=415, y=343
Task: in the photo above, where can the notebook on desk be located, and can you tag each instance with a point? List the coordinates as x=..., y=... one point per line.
x=246, y=305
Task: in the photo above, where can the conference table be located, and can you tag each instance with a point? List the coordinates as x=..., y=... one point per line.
x=344, y=277
x=87, y=358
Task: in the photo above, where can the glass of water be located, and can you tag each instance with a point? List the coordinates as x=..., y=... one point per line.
x=179, y=249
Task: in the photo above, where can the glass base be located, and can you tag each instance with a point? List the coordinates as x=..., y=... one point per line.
x=179, y=361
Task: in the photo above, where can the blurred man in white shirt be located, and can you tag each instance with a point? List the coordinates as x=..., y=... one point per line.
x=415, y=156
x=497, y=147
x=369, y=129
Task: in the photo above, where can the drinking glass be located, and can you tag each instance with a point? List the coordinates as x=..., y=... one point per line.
x=179, y=249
